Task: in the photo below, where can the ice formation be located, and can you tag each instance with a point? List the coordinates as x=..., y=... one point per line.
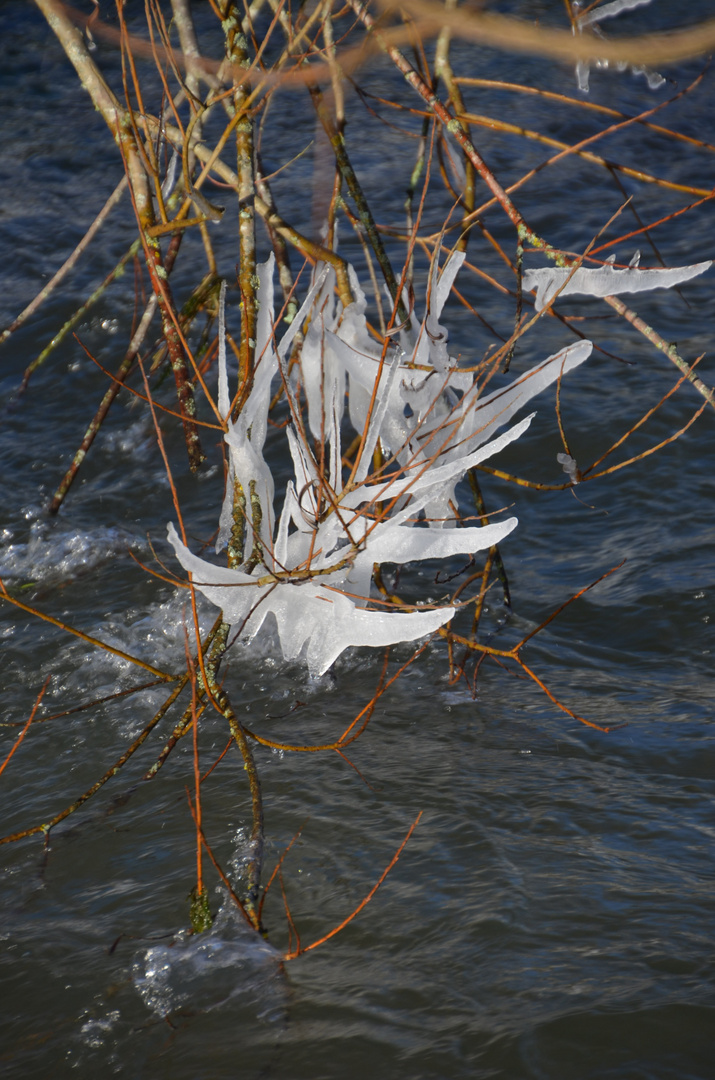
x=605, y=280
x=312, y=568
x=592, y=18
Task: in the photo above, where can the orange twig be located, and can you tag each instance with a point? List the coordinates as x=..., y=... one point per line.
x=363, y=903
x=277, y=870
x=24, y=731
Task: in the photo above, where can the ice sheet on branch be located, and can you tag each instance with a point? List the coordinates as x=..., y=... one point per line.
x=429, y=409
x=591, y=18
x=316, y=558
x=605, y=280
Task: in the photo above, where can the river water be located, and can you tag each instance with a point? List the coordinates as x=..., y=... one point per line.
x=553, y=915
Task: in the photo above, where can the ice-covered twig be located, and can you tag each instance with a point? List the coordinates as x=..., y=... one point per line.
x=607, y=11
x=312, y=569
x=592, y=19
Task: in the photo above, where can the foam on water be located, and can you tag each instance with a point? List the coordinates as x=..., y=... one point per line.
x=58, y=552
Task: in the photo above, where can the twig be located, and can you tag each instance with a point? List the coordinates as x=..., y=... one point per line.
x=78, y=315
x=298, y=951
x=665, y=347
x=67, y=265
x=25, y=729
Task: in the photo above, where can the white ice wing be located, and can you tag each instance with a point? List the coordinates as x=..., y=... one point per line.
x=231, y=590
x=363, y=369
x=330, y=341
x=326, y=302
x=287, y=339
x=255, y=410
x=293, y=549
x=298, y=551
x=358, y=405
x=306, y=481
x=246, y=446
x=492, y=411
x=264, y=318
x=253, y=421
x=361, y=361
x=438, y=497
x=346, y=625
x=246, y=604
x=358, y=580
x=353, y=323
x=475, y=419
x=479, y=418
x=421, y=481
x=318, y=373
x=323, y=377
x=248, y=466
x=583, y=73
x=431, y=337
x=311, y=367
x=280, y=548
x=297, y=614
x=607, y=11
x=335, y=475
x=439, y=290
x=252, y=424
x=246, y=437
x=604, y=280
x=461, y=380
x=431, y=405
x=256, y=481
x=405, y=395
x=428, y=488
x=324, y=619
x=403, y=544
x=458, y=464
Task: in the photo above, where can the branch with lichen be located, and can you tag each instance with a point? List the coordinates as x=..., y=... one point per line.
x=119, y=123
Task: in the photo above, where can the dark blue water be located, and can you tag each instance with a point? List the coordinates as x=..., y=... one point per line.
x=553, y=915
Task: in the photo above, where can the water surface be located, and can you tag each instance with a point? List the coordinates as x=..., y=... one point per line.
x=552, y=916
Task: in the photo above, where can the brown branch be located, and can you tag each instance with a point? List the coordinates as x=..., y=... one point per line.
x=298, y=951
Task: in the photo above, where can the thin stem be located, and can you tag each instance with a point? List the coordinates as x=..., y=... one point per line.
x=67, y=265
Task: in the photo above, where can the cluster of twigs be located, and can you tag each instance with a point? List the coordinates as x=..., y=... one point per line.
x=168, y=160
